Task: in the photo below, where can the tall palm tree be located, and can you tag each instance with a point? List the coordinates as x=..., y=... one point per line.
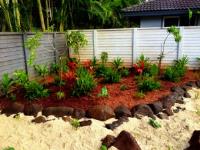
x=41, y=15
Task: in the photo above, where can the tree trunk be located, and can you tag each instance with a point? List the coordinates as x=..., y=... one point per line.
x=61, y=28
x=17, y=15
x=41, y=15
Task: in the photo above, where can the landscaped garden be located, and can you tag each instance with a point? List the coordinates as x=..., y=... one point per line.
x=99, y=90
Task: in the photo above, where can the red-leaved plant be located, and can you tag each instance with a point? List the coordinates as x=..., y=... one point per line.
x=139, y=67
x=70, y=77
x=72, y=65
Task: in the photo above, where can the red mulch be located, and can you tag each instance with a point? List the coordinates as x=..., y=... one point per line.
x=116, y=96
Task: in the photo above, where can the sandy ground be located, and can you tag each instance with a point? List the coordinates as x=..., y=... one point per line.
x=59, y=135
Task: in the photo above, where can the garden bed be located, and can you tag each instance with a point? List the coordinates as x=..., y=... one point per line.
x=116, y=96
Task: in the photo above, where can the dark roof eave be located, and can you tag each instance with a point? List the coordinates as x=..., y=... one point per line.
x=155, y=13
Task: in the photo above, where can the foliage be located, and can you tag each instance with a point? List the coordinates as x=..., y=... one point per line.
x=117, y=63
x=58, y=81
x=75, y=123
x=69, y=77
x=103, y=147
x=94, y=62
x=140, y=95
x=100, y=70
x=60, y=95
x=84, y=82
x=147, y=83
x=104, y=92
x=123, y=87
x=20, y=77
x=41, y=70
x=124, y=72
x=6, y=84
x=32, y=44
x=111, y=76
x=9, y=148
x=154, y=123
x=104, y=57
x=75, y=40
x=177, y=70
x=34, y=90
x=54, y=68
x=72, y=65
x=177, y=37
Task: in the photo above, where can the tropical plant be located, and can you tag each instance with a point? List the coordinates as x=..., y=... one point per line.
x=34, y=90
x=103, y=147
x=84, y=82
x=104, y=92
x=177, y=70
x=6, y=84
x=9, y=148
x=154, y=123
x=124, y=72
x=111, y=76
x=54, y=68
x=117, y=63
x=104, y=58
x=41, y=70
x=177, y=37
x=58, y=81
x=75, y=123
x=147, y=83
x=75, y=40
x=20, y=77
x=60, y=95
x=32, y=44
x=123, y=87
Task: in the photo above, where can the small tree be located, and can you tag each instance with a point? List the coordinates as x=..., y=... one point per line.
x=177, y=37
x=75, y=40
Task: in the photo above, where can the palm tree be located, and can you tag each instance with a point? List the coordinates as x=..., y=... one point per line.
x=41, y=15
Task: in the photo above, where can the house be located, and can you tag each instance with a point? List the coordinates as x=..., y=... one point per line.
x=164, y=13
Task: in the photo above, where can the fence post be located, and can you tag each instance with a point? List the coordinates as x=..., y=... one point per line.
x=180, y=44
x=54, y=47
x=134, y=45
x=25, y=52
x=94, y=42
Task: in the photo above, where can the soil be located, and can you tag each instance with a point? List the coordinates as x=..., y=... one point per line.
x=116, y=96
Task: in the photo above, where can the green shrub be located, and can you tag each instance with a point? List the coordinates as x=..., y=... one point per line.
x=41, y=70
x=60, y=95
x=147, y=83
x=140, y=95
x=75, y=123
x=20, y=77
x=117, y=63
x=103, y=147
x=124, y=72
x=177, y=70
x=153, y=70
x=104, y=57
x=6, y=84
x=9, y=148
x=104, y=92
x=154, y=123
x=35, y=90
x=54, y=68
x=58, y=81
x=84, y=82
x=100, y=70
x=111, y=76
x=123, y=87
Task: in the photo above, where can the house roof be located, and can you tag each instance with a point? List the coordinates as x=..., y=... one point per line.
x=162, y=7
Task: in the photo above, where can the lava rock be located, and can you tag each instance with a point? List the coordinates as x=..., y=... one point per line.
x=180, y=100
x=121, y=111
x=78, y=113
x=101, y=112
x=162, y=116
x=178, y=90
x=198, y=83
x=85, y=123
x=58, y=111
x=39, y=119
x=194, y=141
x=114, y=125
x=156, y=107
x=13, y=108
x=169, y=100
x=187, y=95
x=125, y=141
x=32, y=109
x=108, y=141
x=168, y=111
x=186, y=87
x=191, y=84
x=144, y=110
x=123, y=119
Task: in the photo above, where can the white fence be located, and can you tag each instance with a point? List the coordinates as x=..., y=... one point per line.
x=129, y=43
